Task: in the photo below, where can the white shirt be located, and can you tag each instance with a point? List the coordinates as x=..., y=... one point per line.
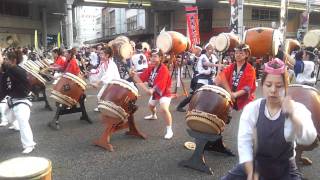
x=135, y=61
x=93, y=59
x=305, y=76
x=203, y=59
x=249, y=119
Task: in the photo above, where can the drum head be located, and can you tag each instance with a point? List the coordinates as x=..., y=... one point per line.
x=145, y=45
x=222, y=42
x=123, y=38
x=24, y=167
x=126, y=50
x=276, y=42
x=203, y=126
x=164, y=42
x=312, y=39
x=212, y=41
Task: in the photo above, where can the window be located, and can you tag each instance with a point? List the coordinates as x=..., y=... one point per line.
x=132, y=23
x=112, y=19
x=14, y=8
x=265, y=14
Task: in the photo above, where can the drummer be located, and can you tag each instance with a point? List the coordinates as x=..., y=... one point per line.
x=269, y=128
x=206, y=69
x=158, y=77
x=307, y=75
x=239, y=78
x=59, y=60
x=72, y=63
x=15, y=84
x=139, y=60
x=105, y=72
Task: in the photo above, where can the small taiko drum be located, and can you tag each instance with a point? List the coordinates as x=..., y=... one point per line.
x=292, y=45
x=209, y=110
x=225, y=42
x=26, y=168
x=34, y=78
x=310, y=97
x=212, y=41
x=263, y=41
x=312, y=39
x=122, y=48
x=145, y=45
x=172, y=42
x=117, y=99
x=68, y=89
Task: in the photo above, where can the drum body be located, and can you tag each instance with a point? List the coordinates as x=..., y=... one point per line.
x=312, y=39
x=209, y=110
x=172, y=42
x=225, y=42
x=26, y=168
x=309, y=97
x=68, y=89
x=34, y=78
x=263, y=41
x=117, y=99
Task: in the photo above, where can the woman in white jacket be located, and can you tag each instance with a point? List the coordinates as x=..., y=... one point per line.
x=106, y=71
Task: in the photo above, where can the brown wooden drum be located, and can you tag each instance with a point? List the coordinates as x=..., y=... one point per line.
x=225, y=42
x=68, y=89
x=117, y=99
x=26, y=168
x=172, y=42
x=263, y=41
x=312, y=39
x=34, y=78
x=310, y=97
x=209, y=110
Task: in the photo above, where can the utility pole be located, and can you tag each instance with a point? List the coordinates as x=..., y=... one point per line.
x=283, y=19
x=240, y=19
x=308, y=14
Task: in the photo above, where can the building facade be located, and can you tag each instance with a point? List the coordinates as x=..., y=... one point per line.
x=87, y=23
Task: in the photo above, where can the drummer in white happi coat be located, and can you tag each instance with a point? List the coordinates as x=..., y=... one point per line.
x=139, y=60
x=106, y=71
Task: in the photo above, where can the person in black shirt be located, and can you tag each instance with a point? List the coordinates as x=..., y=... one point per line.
x=14, y=83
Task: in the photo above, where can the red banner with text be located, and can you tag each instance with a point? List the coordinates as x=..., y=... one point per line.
x=193, y=25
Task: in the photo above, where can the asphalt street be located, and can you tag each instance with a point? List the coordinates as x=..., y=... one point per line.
x=74, y=156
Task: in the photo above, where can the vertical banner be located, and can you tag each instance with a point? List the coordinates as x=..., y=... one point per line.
x=58, y=39
x=193, y=25
x=234, y=17
x=35, y=39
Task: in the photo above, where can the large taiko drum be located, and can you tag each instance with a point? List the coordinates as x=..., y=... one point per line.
x=26, y=168
x=68, y=89
x=263, y=41
x=312, y=39
x=172, y=42
x=310, y=97
x=225, y=42
x=209, y=110
x=34, y=78
x=118, y=99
